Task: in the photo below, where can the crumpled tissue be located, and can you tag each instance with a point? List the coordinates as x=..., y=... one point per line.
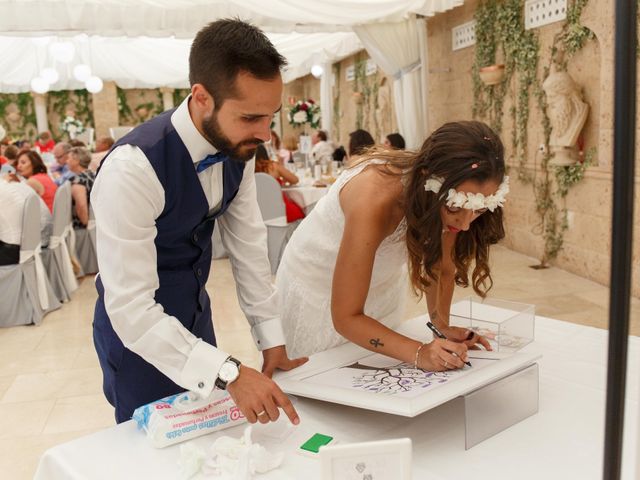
x=229, y=458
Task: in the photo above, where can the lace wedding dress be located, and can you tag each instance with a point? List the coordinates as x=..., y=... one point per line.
x=306, y=270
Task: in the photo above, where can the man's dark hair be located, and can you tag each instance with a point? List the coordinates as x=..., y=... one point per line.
x=396, y=141
x=322, y=135
x=226, y=47
x=359, y=141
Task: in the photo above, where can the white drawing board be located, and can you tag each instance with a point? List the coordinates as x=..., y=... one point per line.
x=351, y=375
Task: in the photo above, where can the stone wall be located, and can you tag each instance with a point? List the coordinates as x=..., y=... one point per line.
x=587, y=242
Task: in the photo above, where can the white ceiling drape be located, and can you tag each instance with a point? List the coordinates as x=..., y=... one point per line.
x=182, y=18
x=145, y=62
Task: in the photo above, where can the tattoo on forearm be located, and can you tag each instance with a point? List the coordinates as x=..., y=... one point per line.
x=376, y=342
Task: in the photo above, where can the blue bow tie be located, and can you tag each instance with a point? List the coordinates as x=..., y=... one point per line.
x=210, y=160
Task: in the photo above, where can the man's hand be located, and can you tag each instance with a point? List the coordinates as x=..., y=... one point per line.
x=258, y=397
x=277, y=357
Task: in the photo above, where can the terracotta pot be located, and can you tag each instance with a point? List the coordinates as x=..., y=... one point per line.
x=492, y=74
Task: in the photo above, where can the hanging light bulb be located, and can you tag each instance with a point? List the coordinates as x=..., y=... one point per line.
x=94, y=84
x=317, y=70
x=51, y=75
x=62, y=52
x=39, y=85
x=82, y=72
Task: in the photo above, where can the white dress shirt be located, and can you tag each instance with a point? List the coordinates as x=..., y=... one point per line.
x=127, y=198
x=13, y=196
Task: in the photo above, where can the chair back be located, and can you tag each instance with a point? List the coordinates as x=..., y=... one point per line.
x=62, y=215
x=118, y=132
x=86, y=136
x=270, y=197
x=30, y=223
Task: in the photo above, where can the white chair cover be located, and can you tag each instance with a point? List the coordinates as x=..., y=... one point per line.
x=85, y=246
x=27, y=294
x=274, y=214
x=57, y=256
x=118, y=132
x=86, y=136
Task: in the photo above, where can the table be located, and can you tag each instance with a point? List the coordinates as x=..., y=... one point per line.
x=306, y=196
x=563, y=441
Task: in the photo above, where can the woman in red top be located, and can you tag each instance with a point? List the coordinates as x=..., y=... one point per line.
x=280, y=173
x=45, y=143
x=32, y=168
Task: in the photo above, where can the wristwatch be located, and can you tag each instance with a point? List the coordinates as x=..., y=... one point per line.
x=228, y=373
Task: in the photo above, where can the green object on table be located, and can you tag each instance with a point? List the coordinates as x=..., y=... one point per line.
x=314, y=443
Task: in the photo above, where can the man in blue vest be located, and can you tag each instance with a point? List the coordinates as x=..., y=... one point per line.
x=156, y=198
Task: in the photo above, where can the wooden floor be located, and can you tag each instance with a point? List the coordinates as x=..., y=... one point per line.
x=50, y=381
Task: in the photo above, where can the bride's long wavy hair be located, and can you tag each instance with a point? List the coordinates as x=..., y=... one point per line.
x=449, y=153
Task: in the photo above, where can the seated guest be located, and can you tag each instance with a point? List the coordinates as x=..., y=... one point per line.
x=11, y=154
x=322, y=149
x=394, y=140
x=60, y=171
x=13, y=196
x=282, y=175
x=44, y=143
x=359, y=141
x=103, y=145
x=339, y=154
x=32, y=168
x=81, y=185
x=77, y=143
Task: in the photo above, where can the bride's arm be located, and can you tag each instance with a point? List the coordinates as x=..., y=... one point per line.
x=369, y=202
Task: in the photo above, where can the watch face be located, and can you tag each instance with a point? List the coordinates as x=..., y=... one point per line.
x=228, y=372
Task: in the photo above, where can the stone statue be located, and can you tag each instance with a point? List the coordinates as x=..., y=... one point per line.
x=567, y=114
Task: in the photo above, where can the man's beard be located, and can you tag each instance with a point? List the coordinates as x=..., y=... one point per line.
x=242, y=151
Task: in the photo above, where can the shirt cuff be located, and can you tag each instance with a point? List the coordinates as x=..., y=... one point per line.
x=268, y=334
x=201, y=370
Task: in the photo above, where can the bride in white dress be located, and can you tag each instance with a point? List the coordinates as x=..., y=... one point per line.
x=429, y=214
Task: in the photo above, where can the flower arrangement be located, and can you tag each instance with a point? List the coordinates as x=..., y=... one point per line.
x=303, y=112
x=71, y=126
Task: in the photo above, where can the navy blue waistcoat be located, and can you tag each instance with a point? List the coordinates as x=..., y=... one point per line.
x=183, y=245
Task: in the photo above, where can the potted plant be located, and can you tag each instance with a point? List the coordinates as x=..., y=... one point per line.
x=492, y=74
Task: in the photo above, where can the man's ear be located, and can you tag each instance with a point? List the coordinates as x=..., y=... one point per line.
x=202, y=98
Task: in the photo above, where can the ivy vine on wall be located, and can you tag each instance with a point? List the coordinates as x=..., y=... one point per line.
x=17, y=114
x=500, y=33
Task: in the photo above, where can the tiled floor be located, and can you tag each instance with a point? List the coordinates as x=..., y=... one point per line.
x=50, y=381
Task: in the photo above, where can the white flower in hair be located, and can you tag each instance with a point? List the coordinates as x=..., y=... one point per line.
x=456, y=199
x=475, y=201
x=433, y=184
x=492, y=202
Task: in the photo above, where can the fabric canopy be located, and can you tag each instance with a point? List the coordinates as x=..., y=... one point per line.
x=182, y=18
x=145, y=62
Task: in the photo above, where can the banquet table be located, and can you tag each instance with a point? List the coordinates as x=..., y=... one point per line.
x=306, y=196
x=564, y=440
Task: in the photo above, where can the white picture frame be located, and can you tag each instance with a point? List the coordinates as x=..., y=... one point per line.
x=305, y=144
x=314, y=378
x=379, y=460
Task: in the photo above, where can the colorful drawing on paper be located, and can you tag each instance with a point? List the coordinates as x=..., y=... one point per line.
x=379, y=374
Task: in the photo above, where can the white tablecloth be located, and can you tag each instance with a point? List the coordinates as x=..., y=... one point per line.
x=306, y=197
x=563, y=441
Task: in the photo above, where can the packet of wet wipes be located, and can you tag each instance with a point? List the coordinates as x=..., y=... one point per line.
x=184, y=416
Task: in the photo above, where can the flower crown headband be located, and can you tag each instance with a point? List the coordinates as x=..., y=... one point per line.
x=470, y=201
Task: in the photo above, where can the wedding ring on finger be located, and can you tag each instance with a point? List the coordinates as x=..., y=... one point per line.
x=446, y=364
x=260, y=413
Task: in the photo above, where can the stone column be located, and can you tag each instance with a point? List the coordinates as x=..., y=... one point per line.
x=105, y=109
x=167, y=98
x=40, y=107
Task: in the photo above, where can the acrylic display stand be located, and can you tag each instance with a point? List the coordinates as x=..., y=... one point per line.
x=501, y=404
